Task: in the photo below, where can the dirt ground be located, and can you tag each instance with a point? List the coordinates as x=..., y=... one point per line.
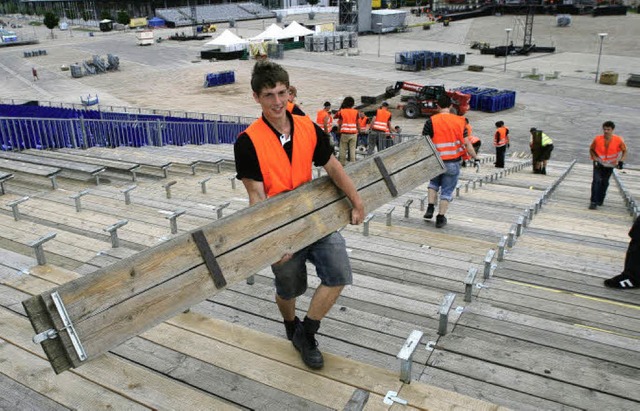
x=170, y=75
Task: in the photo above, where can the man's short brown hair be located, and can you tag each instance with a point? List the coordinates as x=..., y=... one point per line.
x=266, y=74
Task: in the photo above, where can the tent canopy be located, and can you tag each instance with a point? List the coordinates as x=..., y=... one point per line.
x=227, y=41
x=271, y=33
x=295, y=29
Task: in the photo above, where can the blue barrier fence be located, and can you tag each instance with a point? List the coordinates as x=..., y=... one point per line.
x=425, y=59
x=25, y=126
x=490, y=100
x=219, y=78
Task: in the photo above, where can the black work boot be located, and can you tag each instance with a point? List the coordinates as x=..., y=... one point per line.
x=430, y=209
x=290, y=327
x=305, y=341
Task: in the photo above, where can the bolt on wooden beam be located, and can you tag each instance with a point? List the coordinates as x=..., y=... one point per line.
x=113, y=232
x=445, y=306
x=173, y=220
x=14, y=207
x=406, y=355
x=39, y=250
x=77, y=199
x=468, y=283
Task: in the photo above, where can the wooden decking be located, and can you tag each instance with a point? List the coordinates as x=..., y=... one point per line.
x=541, y=333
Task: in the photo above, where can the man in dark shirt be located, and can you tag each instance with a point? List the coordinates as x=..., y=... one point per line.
x=275, y=154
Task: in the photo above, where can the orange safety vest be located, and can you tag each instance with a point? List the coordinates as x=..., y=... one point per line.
x=349, y=118
x=503, y=138
x=290, y=106
x=448, y=135
x=382, y=121
x=322, y=114
x=278, y=173
x=609, y=153
x=362, y=121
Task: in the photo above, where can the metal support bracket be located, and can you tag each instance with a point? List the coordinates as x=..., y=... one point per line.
x=422, y=201
x=519, y=225
x=209, y=259
x=406, y=355
x=193, y=167
x=134, y=171
x=392, y=397
x=407, y=204
x=167, y=187
x=233, y=182
x=447, y=302
x=385, y=175
x=113, y=232
x=487, y=263
x=388, y=213
x=203, y=184
x=97, y=175
x=219, y=209
x=165, y=170
x=365, y=230
x=7, y=178
x=318, y=172
x=468, y=283
x=127, y=193
x=37, y=247
x=77, y=199
x=501, y=247
x=14, y=207
x=218, y=164
x=173, y=220
x=68, y=326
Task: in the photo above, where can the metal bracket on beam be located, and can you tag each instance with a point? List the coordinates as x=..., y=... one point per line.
x=466, y=187
x=37, y=247
x=209, y=259
x=458, y=190
x=127, y=193
x=218, y=164
x=385, y=175
x=173, y=220
x=388, y=213
x=519, y=225
x=511, y=238
x=474, y=184
x=165, y=170
x=480, y=182
x=9, y=177
x=233, y=182
x=203, y=184
x=487, y=263
x=167, y=187
x=67, y=326
x=318, y=172
x=365, y=230
x=134, y=171
x=113, y=232
x=529, y=211
x=14, y=207
x=468, y=283
x=423, y=199
x=406, y=355
x=77, y=199
x=97, y=176
x=193, y=167
x=406, y=207
x=501, y=245
x=447, y=302
x=219, y=209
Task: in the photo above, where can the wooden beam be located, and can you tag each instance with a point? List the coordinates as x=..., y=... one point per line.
x=113, y=304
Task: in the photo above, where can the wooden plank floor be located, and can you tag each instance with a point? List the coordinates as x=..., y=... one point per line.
x=543, y=333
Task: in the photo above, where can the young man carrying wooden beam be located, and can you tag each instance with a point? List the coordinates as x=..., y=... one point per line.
x=274, y=155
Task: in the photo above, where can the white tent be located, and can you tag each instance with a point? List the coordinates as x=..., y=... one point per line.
x=271, y=33
x=227, y=41
x=295, y=30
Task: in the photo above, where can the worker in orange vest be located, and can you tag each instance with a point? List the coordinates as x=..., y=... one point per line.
x=607, y=152
x=380, y=129
x=292, y=107
x=448, y=133
x=475, y=142
x=323, y=117
x=363, y=122
x=349, y=129
x=501, y=143
x=273, y=155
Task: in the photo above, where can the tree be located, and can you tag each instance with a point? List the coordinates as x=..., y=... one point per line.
x=105, y=15
x=123, y=17
x=51, y=21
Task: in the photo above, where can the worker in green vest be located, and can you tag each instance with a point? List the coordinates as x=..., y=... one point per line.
x=541, y=147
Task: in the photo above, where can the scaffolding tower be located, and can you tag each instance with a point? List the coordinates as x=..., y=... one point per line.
x=348, y=14
x=528, y=25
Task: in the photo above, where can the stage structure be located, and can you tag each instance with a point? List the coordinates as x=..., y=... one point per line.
x=354, y=15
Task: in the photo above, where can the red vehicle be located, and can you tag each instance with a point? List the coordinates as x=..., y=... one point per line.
x=423, y=99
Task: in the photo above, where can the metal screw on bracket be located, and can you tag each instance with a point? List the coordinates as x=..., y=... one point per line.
x=203, y=184
x=167, y=187
x=219, y=209
x=14, y=207
x=365, y=230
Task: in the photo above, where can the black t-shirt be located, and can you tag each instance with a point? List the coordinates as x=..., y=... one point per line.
x=246, y=158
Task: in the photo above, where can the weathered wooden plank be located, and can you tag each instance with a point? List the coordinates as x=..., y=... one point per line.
x=50, y=162
x=112, y=305
x=15, y=396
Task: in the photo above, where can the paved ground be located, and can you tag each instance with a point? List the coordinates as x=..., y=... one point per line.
x=169, y=75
